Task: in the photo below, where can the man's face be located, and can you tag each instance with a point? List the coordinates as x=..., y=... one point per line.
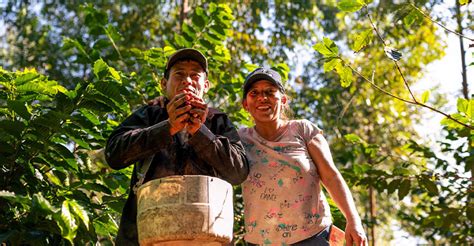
x=185, y=76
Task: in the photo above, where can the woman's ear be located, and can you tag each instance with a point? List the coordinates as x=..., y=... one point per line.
x=244, y=104
x=284, y=99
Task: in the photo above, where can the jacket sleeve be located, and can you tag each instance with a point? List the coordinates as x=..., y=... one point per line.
x=222, y=149
x=136, y=138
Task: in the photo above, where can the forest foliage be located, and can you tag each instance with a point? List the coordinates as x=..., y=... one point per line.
x=71, y=73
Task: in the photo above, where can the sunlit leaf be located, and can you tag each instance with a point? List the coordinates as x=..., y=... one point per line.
x=39, y=202
x=115, y=74
x=413, y=17
x=462, y=105
x=67, y=222
x=345, y=73
x=327, y=48
x=350, y=5
x=425, y=96
x=80, y=212
x=331, y=64
x=362, y=39
x=25, y=78
x=11, y=196
x=99, y=68
x=353, y=138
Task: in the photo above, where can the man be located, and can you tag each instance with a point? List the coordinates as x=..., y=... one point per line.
x=183, y=138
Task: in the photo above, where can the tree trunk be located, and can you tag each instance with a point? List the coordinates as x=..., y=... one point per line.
x=183, y=14
x=465, y=90
x=372, y=215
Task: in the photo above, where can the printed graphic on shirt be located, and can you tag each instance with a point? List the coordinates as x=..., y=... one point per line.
x=282, y=194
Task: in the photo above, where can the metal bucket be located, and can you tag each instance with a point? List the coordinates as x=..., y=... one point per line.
x=185, y=210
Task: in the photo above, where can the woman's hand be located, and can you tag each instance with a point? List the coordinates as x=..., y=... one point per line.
x=355, y=234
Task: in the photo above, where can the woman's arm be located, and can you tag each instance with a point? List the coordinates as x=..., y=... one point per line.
x=336, y=186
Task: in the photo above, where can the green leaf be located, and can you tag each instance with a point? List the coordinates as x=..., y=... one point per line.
x=282, y=69
x=77, y=138
x=412, y=17
x=470, y=110
x=40, y=203
x=198, y=20
x=69, y=43
x=80, y=212
x=350, y=5
x=96, y=187
x=99, y=68
x=462, y=105
x=65, y=154
x=13, y=128
x=212, y=7
x=353, y=138
x=327, y=48
x=345, y=73
x=6, y=148
x=115, y=74
x=181, y=41
x=189, y=30
x=429, y=185
x=425, y=96
x=453, y=124
x=66, y=222
x=470, y=212
x=53, y=178
x=20, y=108
x=331, y=64
x=110, y=90
x=105, y=228
x=206, y=44
x=11, y=196
x=94, y=119
x=25, y=78
x=404, y=189
x=218, y=31
x=362, y=39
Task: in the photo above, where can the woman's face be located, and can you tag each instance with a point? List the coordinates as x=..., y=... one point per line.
x=264, y=102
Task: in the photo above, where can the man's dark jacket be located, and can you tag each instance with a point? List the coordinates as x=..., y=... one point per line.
x=214, y=150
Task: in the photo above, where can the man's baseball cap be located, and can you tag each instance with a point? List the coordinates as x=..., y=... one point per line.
x=186, y=54
x=263, y=74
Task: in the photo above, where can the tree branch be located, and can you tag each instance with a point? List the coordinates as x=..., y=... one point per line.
x=439, y=24
x=415, y=102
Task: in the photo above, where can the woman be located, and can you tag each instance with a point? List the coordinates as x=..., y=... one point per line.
x=288, y=161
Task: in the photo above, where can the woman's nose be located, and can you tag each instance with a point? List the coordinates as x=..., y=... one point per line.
x=262, y=96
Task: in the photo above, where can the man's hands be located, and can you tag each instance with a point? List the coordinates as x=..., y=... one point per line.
x=185, y=110
x=198, y=114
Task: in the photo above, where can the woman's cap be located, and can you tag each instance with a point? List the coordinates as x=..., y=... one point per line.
x=263, y=74
x=186, y=54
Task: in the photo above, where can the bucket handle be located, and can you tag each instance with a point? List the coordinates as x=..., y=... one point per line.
x=141, y=173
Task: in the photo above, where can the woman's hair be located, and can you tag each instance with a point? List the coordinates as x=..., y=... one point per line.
x=286, y=112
